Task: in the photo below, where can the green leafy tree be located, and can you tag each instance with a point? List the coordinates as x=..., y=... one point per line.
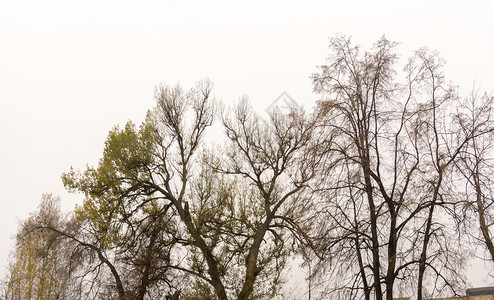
x=129, y=229
x=227, y=216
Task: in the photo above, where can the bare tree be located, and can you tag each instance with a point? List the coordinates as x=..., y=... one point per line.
x=388, y=151
x=272, y=160
x=476, y=166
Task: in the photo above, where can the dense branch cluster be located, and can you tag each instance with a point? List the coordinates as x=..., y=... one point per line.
x=376, y=192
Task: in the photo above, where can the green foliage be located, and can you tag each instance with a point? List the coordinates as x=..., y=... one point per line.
x=121, y=176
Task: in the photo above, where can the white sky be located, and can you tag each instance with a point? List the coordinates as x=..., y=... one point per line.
x=70, y=70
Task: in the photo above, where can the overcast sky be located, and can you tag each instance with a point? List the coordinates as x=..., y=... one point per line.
x=70, y=70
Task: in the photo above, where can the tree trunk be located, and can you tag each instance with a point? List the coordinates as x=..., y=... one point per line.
x=251, y=264
x=213, y=270
x=390, y=275
x=375, y=239
x=481, y=211
x=423, y=255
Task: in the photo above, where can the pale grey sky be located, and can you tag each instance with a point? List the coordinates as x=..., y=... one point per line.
x=70, y=70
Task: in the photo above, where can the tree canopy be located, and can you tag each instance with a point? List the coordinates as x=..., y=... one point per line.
x=376, y=191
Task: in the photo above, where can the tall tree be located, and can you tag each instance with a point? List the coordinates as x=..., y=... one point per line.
x=272, y=160
x=388, y=151
x=230, y=215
